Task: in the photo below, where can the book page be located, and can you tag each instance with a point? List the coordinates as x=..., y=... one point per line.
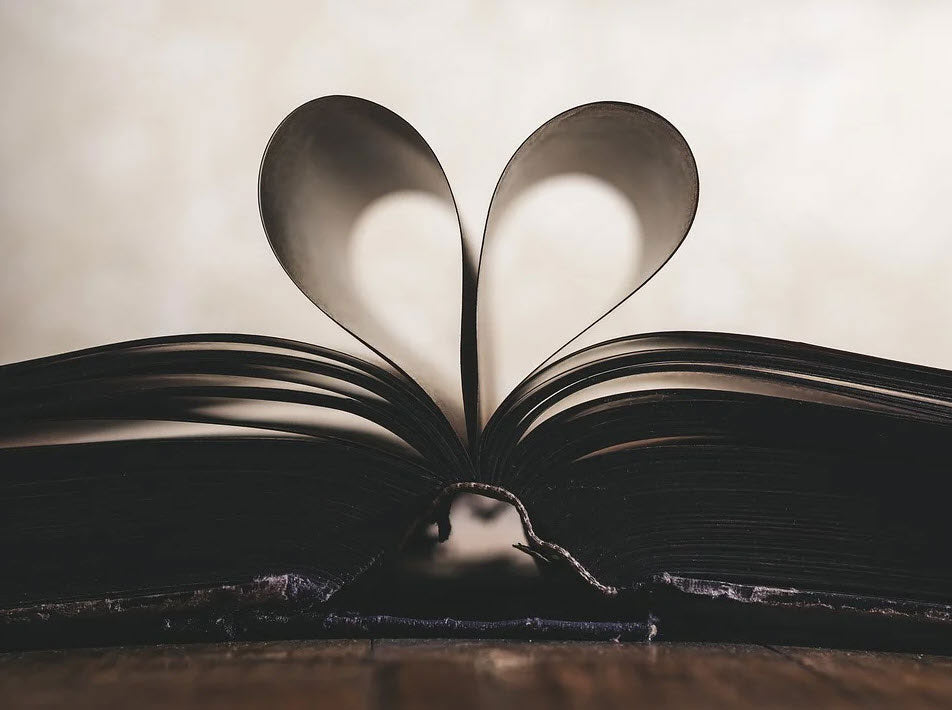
x=589, y=208
x=359, y=213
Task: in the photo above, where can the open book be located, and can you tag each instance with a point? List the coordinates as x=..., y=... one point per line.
x=680, y=483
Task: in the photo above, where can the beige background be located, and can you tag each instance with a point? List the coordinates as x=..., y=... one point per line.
x=131, y=133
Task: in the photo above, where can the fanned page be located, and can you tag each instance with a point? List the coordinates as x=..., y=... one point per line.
x=695, y=485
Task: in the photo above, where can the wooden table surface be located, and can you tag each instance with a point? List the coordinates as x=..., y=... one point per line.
x=471, y=674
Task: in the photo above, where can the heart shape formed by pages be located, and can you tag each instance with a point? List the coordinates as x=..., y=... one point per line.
x=336, y=159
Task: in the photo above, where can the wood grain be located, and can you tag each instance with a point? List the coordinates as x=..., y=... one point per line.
x=471, y=674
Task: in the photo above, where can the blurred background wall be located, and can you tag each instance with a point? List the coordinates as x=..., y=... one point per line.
x=131, y=134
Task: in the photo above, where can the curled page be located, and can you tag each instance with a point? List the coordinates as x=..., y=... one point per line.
x=541, y=285
x=359, y=213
